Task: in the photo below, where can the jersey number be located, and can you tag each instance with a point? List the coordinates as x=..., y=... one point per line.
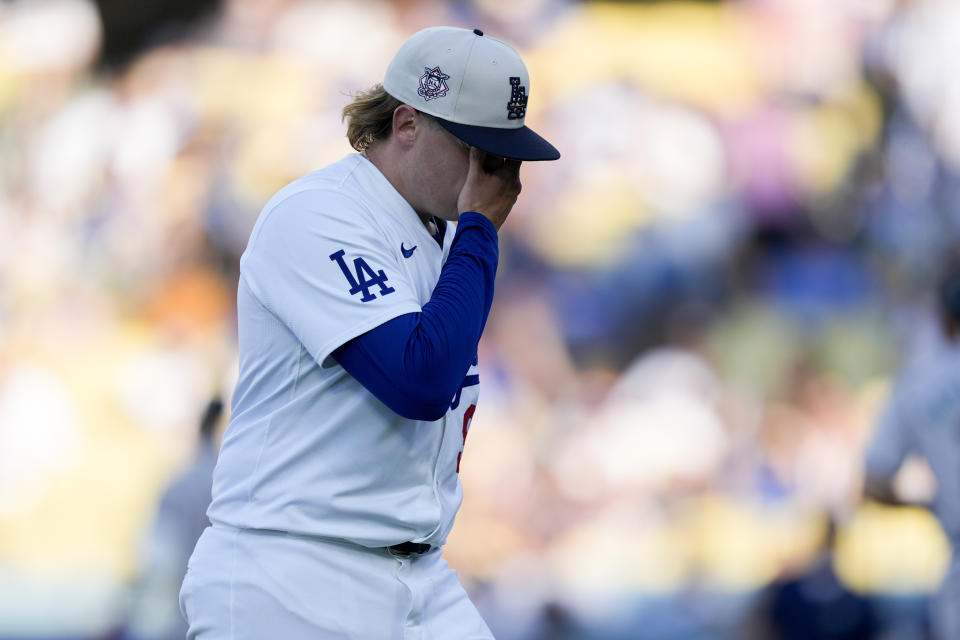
x=467, y=417
x=365, y=277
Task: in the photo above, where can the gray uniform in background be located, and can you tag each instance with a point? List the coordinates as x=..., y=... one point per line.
x=923, y=417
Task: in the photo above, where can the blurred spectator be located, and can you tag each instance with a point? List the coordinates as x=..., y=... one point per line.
x=921, y=419
x=180, y=518
x=816, y=605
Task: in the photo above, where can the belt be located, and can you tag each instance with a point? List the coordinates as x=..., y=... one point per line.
x=407, y=549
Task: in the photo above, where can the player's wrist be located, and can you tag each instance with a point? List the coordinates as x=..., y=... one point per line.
x=477, y=235
x=469, y=219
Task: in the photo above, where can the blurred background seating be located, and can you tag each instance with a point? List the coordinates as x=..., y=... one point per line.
x=699, y=307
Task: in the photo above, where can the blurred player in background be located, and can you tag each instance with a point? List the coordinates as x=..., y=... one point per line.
x=179, y=520
x=360, y=306
x=923, y=418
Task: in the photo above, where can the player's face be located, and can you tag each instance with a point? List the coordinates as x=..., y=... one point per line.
x=445, y=160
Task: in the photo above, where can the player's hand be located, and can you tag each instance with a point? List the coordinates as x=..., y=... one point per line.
x=491, y=187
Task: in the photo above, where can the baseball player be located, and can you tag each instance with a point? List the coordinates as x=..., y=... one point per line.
x=363, y=292
x=923, y=417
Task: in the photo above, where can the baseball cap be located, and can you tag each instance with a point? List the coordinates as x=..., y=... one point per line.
x=474, y=85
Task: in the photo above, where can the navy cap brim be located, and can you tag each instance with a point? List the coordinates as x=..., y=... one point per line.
x=516, y=144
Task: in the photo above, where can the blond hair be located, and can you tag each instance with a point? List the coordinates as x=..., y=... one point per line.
x=369, y=117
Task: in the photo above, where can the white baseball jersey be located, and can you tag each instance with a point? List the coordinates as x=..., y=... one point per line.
x=923, y=417
x=309, y=450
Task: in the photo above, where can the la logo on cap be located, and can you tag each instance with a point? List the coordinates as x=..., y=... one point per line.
x=433, y=83
x=517, y=107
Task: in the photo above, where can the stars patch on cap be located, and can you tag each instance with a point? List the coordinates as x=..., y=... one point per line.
x=433, y=84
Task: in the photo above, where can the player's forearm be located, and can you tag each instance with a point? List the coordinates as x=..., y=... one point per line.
x=464, y=292
x=415, y=363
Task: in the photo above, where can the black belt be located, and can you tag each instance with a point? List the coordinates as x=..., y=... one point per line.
x=407, y=549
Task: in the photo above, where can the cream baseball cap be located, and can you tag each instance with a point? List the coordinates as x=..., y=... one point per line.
x=475, y=86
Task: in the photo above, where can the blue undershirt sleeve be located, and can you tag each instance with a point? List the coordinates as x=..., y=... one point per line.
x=415, y=362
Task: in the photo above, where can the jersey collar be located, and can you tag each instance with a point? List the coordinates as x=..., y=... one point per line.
x=390, y=199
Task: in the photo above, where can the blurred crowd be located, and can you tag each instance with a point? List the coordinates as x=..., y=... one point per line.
x=699, y=307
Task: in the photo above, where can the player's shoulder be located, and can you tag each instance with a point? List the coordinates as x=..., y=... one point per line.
x=325, y=198
x=331, y=185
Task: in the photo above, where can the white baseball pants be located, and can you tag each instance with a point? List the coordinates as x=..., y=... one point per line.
x=244, y=584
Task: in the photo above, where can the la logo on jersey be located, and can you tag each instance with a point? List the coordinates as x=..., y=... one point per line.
x=433, y=84
x=364, y=277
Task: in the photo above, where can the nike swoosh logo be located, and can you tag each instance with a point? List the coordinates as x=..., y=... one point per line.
x=407, y=252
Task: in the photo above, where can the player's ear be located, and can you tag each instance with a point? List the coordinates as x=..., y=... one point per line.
x=405, y=123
